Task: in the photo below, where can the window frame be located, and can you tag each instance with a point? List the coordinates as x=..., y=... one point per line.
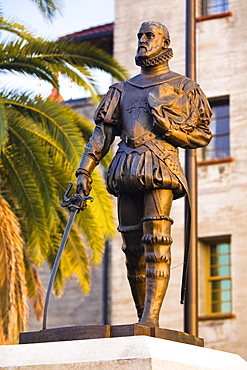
x=207, y=278
x=208, y=10
x=215, y=102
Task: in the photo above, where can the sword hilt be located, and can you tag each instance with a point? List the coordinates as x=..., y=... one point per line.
x=75, y=201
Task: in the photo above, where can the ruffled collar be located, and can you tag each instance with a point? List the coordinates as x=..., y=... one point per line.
x=155, y=61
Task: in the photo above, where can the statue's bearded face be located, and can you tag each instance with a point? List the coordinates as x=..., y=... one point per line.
x=151, y=42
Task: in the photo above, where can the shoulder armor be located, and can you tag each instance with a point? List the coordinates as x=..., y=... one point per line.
x=186, y=84
x=120, y=86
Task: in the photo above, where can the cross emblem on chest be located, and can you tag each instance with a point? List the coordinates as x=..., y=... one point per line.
x=136, y=106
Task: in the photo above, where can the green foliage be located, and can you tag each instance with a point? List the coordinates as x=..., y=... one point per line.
x=41, y=142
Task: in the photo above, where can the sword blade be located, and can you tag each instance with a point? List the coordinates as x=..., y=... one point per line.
x=57, y=260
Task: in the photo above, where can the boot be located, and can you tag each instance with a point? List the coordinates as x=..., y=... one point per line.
x=136, y=268
x=158, y=261
x=157, y=279
x=135, y=263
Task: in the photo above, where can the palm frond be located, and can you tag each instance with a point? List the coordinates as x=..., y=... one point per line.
x=13, y=58
x=28, y=197
x=89, y=226
x=74, y=54
x=31, y=68
x=30, y=148
x=52, y=116
x=48, y=8
x=15, y=28
x=86, y=54
x=13, y=291
x=79, y=78
x=85, y=125
x=35, y=288
x=78, y=262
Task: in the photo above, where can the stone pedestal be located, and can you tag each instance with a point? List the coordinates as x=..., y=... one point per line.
x=124, y=353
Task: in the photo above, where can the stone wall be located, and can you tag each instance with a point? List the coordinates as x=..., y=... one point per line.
x=221, y=63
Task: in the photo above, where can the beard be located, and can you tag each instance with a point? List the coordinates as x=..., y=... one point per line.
x=154, y=61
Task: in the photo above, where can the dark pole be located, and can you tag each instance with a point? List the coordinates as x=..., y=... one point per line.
x=105, y=286
x=191, y=305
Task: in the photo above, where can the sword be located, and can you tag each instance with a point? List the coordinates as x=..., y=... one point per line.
x=75, y=204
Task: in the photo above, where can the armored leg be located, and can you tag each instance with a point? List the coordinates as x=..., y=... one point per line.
x=130, y=213
x=135, y=263
x=157, y=241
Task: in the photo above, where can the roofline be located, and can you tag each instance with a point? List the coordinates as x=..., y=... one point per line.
x=92, y=32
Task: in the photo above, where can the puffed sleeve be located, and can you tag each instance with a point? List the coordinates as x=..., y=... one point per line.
x=106, y=118
x=183, y=116
x=108, y=108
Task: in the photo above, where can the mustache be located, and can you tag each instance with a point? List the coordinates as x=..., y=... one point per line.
x=142, y=46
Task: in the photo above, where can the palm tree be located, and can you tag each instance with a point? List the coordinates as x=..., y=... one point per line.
x=41, y=142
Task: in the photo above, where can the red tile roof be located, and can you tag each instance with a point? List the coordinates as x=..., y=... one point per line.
x=96, y=31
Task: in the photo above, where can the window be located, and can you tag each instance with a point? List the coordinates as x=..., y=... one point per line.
x=219, y=147
x=214, y=6
x=217, y=276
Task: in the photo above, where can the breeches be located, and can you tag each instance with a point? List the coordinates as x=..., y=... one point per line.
x=144, y=217
x=136, y=172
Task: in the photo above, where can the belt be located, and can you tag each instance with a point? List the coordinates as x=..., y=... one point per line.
x=138, y=141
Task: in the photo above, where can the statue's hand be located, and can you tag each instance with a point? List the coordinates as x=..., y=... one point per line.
x=84, y=184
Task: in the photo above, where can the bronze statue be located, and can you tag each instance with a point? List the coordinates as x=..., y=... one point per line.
x=154, y=113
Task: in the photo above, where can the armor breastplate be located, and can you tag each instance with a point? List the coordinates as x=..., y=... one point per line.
x=136, y=121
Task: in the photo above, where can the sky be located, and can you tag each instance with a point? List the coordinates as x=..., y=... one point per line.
x=76, y=15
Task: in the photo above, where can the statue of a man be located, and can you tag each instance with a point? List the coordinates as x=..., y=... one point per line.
x=154, y=113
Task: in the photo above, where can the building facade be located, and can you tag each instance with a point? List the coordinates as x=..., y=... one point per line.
x=222, y=172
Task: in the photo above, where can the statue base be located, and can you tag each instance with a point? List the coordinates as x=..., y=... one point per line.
x=106, y=331
x=138, y=352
